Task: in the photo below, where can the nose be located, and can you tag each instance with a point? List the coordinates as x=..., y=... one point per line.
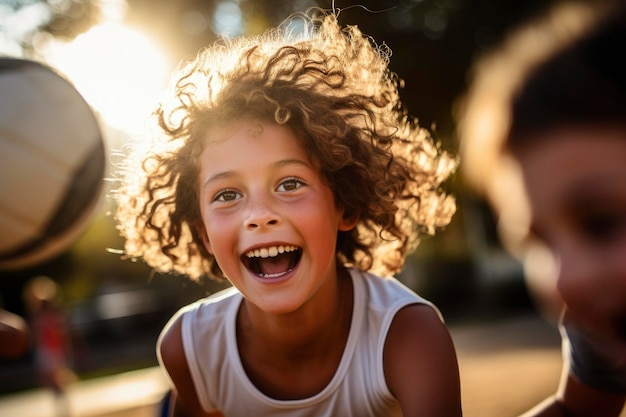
x=261, y=215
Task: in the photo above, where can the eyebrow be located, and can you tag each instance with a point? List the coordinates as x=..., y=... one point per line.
x=594, y=187
x=278, y=164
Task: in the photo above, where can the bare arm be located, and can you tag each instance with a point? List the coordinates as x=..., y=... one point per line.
x=184, y=401
x=420, y=364
x=575, y=399
x=14, y=335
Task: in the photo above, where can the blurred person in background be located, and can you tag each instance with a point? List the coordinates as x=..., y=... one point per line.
x=543, y=136
x=51, y=341
x=14, y=335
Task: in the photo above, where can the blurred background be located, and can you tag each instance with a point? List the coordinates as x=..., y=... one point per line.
x=119, y=54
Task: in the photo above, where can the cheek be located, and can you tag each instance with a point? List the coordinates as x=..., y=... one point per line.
x=315, y=225
x=575, y=294
x=319, y=224
x=620, y=279
x=217, y=234
x=541, y=271
x=598, y=285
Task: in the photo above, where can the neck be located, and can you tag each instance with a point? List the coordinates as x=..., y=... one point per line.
x=305, y=333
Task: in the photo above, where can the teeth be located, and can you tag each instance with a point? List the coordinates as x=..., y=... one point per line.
x=270, y=252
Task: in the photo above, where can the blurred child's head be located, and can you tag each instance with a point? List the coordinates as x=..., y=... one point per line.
x=544, y=137
x=332, y=88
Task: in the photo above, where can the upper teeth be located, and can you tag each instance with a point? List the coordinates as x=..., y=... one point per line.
x=270, y=251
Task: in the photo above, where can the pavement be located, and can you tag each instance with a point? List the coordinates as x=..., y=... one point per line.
x=134, y=393
x=506, y=367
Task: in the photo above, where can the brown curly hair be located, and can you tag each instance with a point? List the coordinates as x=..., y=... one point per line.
x=332, y=87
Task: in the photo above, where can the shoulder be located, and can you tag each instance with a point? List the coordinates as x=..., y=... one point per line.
x=173, y=359
x=170, y=348
x=417, y=328
x=206, y=309
x=386, y=296
x=385, y=292
x=196, y=321
x=420, y=363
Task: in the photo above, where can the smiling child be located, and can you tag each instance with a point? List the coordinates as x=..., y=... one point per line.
x=289, y=167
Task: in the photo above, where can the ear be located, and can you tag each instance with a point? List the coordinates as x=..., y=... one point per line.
x=201, y=230
x=348, y=221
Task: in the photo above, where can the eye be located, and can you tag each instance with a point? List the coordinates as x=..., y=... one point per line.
x=602, y=227
x=226, y=196
x=290, y=184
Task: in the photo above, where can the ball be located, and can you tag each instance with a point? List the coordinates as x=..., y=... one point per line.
x=52, y=163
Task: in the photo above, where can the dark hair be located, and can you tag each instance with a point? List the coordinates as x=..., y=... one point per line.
x=584, y=84
x=564, y=68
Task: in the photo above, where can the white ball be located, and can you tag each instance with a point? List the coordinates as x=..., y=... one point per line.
x=52, y=163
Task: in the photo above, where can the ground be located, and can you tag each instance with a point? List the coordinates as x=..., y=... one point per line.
x=506, y=367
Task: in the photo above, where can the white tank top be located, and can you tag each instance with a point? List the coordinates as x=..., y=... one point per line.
x=358, y=387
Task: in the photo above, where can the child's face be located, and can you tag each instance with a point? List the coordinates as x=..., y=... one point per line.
x=270, y=220
x=575, y=182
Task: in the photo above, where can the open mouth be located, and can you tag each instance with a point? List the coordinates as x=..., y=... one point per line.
x=272, y=261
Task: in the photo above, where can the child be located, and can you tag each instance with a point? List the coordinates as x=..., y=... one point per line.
x=14, y=335
x=544, y=136
x=290, y=168
x=51, y=338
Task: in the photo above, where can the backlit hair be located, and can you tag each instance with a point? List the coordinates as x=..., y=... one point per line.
x=332, y=87
x=541, y=76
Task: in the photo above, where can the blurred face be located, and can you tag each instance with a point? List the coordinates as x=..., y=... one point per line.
x=575, y=183
x=270, y=220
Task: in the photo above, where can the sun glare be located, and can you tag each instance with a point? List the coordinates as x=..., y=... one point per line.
x=118, y=70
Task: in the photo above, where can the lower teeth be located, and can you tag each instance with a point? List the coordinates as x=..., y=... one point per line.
x=276, y=275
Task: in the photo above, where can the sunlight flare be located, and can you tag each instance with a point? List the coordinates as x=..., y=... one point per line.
x=119, y=71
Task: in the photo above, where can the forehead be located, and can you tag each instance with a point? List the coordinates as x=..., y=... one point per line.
x=571, y=162
x=247, y=143
x=251, y=131
x=550, y=177
x=569, y=173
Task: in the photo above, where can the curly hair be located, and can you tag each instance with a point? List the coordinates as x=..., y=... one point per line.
x=332, y=87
